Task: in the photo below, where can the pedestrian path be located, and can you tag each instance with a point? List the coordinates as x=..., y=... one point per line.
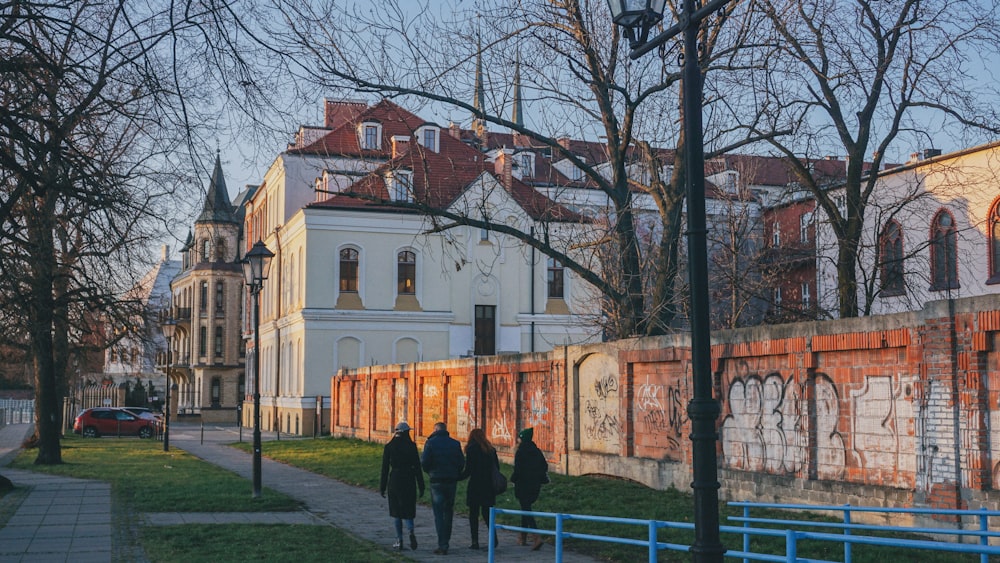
x=362, y=512
x=62, y=519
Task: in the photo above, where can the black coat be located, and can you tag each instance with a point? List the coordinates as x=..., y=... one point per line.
x=479, y=469
x=401, y=474
x=530, y=469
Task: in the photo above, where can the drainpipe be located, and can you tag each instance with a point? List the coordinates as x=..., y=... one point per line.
x=532, y=299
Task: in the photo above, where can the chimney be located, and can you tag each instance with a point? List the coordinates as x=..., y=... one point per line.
x=503, y=166
x=564, y=142
x=339, y=112
x=399, y=144
x=914, y=157
x=454, y=130
x=164, y=253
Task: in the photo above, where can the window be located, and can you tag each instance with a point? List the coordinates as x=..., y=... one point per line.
x=204, y=250
x=401, y=182
x=526, y=160
x=993, y=224
x=891, y=260
x=944, y=261
x=370, y=136
x=429, y=138
x=806, y=297
x=555, y=280
x=484, y=235
x=349, y=270
x=202, y=341
x=777, y=297
x=220, y=302
x=776, y=234
x=485, y=330
x=203, y=305
x=804, y=222
x=216, y=392
x=220, y=249
x=218, y=341
x=406, y=273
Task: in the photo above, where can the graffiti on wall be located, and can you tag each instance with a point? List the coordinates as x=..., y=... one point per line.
x=500, y=409
x=383, y=405
x=600, y=404
x=881, y=429
x=765, y=429
x=537, y=408
x=465, y=415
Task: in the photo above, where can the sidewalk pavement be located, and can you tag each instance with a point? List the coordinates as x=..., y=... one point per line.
x=69, y=520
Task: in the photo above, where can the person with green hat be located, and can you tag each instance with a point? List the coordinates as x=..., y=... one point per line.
x=531, y=471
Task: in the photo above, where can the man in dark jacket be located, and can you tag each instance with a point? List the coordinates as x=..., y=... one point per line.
x=402, y=478
x=443, y=461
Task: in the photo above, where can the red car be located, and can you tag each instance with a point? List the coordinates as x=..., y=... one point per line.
x=95, y=422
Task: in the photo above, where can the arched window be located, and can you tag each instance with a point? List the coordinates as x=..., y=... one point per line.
x=349, y=270
x=203, y=295
x=406, y=273
x=891, y=260
x=993, y=224
x=220, y=294
x=944, y=248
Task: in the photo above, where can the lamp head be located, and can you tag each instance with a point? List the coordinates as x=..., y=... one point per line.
x=636, y=17
x=256, y=262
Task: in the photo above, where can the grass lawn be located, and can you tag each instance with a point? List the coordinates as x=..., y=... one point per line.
x=357, y=462
x=144, y=478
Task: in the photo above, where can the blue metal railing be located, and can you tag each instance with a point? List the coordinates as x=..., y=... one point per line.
x=982, y=516
x=792, y=537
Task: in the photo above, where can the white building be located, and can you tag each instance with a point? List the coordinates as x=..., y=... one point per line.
x=932, y=232
x=370, y=278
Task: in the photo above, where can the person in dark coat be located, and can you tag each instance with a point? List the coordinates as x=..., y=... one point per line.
x=480, y=461
x=531, y=471
x=443, y=461
x=402, y=478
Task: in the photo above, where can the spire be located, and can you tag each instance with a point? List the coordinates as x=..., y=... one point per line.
x=478, y=123
x=516, y=112
x=217, y=208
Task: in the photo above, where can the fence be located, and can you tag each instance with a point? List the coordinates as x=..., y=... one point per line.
x=17, y=411
x=792, y=537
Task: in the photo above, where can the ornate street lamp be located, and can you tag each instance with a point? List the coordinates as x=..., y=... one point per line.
x=167, y=327
x=255, y=265
x=638, y=17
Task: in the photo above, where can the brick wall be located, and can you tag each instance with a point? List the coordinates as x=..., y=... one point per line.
x=890, y=410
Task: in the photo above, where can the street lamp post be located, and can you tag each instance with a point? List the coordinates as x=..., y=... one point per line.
x=168, y=327
x=255, y=265
x=703, y=410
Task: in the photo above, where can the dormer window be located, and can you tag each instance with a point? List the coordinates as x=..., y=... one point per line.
x=371, y=135
x=526, y=164
x=400, y=185
x=429, y=136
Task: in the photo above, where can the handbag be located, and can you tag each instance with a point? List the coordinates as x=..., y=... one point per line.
x=499, y=481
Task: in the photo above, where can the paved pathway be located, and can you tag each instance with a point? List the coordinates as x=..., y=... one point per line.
x=62, y=519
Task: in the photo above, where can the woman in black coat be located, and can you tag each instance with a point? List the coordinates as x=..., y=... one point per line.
x=531, y=471
x=480, y=460
x=402, y=476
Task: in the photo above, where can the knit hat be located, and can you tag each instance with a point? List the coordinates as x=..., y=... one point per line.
x=526, y=434
x=402, y=426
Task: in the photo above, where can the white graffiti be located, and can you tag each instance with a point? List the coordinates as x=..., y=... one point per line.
x=649, y=397
x=500, y=430
x=464, y=415
x=878, y=441
x=432, y=391
x=536, y=416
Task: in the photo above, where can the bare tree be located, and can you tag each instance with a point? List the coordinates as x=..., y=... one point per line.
x=100, y=114
x=859, y=78
x=572, y=61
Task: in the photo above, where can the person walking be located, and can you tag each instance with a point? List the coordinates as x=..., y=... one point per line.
x=443, y=461
x=402, y=478
x=480, y=462
x=531, y=471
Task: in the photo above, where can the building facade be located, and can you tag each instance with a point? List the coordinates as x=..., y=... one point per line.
x=207, y=353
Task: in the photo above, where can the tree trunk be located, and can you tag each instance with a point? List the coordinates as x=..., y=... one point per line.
x=48, y=414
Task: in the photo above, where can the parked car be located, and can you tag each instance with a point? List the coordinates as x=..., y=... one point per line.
x=142, y=412
x=95, y=422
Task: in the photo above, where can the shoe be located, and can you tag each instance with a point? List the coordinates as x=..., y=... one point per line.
x=539, y=541
x=413, y=541
x=440, y=551
x=398, y=545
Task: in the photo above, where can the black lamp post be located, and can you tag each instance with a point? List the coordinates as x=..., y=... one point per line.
x=168, y=327
x=638, y=17
x=255, y=265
